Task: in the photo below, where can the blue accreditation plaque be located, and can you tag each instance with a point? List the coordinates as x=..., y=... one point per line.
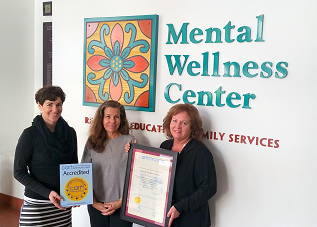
x=76, y=186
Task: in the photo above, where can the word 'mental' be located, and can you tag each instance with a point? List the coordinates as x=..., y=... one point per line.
x=244, y=36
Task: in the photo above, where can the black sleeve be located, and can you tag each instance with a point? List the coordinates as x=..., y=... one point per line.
x=205, y=179
x=75, y=151
x=166, y=144
x=22, y=159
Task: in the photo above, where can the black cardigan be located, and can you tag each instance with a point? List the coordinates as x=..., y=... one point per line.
x=34, y=168
x=195, y=183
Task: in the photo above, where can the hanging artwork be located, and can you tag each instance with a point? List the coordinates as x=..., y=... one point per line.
x=120, y=61
x=47, y=53
x=47, y=8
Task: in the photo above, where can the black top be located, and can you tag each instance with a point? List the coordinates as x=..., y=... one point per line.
x=195, y=183
x=36, y=168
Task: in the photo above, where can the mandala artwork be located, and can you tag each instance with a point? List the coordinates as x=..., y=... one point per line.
x=120, y=61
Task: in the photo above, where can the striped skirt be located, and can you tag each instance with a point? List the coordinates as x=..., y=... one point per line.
x=44, y=213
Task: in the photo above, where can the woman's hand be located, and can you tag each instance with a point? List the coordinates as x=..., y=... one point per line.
x=112, y=207
x=172, y=214
x=56, y=200
x=127, y=146
x=99, y=206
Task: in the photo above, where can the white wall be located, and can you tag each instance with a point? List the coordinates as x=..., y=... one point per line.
x=17, y=68
x=258, y=186
x=21, y=76
x=16, y=86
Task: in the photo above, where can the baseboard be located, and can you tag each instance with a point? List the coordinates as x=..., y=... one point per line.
x=11, y=201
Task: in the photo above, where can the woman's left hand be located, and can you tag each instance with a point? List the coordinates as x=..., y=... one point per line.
x=112, y=207
x=172, y=214
x=56, y=200
x=128, y=145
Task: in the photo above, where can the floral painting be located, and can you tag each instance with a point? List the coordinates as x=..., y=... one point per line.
x=120, y=61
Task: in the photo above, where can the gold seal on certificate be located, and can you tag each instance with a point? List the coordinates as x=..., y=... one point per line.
x=137, y=200
x=76, y=189
x=148, y=185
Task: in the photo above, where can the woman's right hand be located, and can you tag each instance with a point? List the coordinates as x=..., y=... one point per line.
x=56, y=200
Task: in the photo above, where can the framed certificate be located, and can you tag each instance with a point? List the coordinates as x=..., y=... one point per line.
x=148, y=187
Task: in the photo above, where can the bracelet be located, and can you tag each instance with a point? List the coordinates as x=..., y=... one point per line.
x=120, y=199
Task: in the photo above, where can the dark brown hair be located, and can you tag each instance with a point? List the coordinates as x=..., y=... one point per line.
x=97, y=135
x=195, y=120
x=50, y=93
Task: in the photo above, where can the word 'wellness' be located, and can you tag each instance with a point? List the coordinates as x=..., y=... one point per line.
x=231, y=69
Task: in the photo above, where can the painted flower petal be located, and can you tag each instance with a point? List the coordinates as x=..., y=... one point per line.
x=115, y=90
x=124, y=74
x=143, y=100
x=117, y=35
x=128, y=64
x=105, y=62
x=107, y=74
x=89, y=95
x=140, y=64
x=146, y=27
x=116, y=48
x=91, y=28
x=108, y=52
x=125, y=52
x=115, y=78
x=94, y=62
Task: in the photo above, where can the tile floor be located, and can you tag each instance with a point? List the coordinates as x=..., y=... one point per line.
x=9, y=217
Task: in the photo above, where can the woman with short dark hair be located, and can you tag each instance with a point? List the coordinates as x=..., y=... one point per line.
x=41, y=148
